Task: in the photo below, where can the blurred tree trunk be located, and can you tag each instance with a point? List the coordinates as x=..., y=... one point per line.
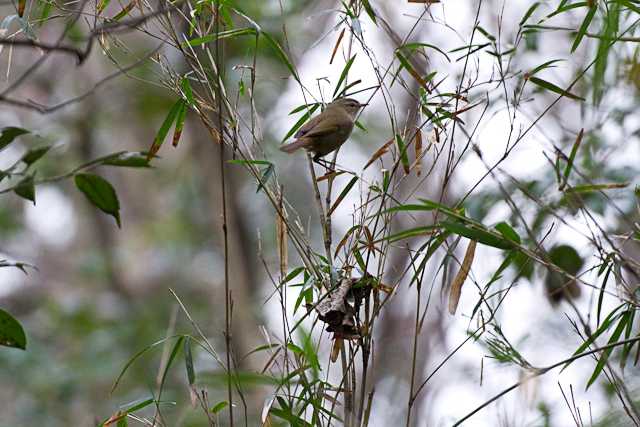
x=396, y=327
x=243, y=276
x=102, y=227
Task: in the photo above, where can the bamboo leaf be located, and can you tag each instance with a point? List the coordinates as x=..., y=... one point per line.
x=584, y=27
x=402, y=150
x=164, y=129
x=606, y=353
x=407, y=65
x=548, y=64
x=369, y=10
x=188, y=361
x=343, y=75
x=180, y=116
x=280, y=53
x=302, y=120
x=572, y=156
x=480, y=235
x=528, y=13
x=416, y=45
x=553, y=88
x=236, y=32
x=343, y=194
x=588, y=188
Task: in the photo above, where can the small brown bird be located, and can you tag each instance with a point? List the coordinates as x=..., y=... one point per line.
x=327, y=131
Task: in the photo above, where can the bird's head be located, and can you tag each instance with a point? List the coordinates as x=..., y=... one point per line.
x=350, y=105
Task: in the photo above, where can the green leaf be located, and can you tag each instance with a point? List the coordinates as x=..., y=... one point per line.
x=601, y=294
x=479, y=235
x=417, y=45
x=187, y=91
x=137, y=159
x=369, y=10
x=180, y=116
x=508, y=232
x=310, y=354
x=606, y=324
x=528, y=13
x=244, y=378
x=11, y=332
x=164, y=129
x=266, y=175
x=102, y=4
x=548, y=64
x=343, y=75
x=343, y=194
x=584, y=27
x=99, y=192
x=302, y=120
x=404, y=158
x=125, y=11
x=615, y=336
x=137, y=356
x=553, y=88
x=293, y=274
x=219, y=407
x=572, y=157
x=188, y=361
x=412, y=232
x=35, y=154
x=304, y=295
x=128, y=409
x=172, y=356
x=249, y=162
x=289, y=416
x=8, y=134
x=404, y=62
x=221, y=35
x=26, y=189
x=280, y=53
x=596, y=187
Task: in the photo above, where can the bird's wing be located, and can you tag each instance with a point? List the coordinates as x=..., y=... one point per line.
x=307, y=127
x=321, y=129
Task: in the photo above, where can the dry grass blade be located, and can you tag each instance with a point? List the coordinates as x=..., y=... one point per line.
x=458, y=281
x=281, y=230
x=329, y=175
x=418, y=148
x=335, y=49
x=379, y=153
x=345, y=238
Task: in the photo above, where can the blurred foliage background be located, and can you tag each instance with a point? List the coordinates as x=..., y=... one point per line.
x=100, y=294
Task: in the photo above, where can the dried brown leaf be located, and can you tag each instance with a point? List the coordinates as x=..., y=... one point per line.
x=379, y=153
x=458, y=281
x=335, y=49
x=418, y=147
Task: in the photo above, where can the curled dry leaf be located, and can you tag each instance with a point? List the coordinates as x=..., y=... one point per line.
x=418, y=147
x=335, y=349
x=329, y=175
x=338, y=309
x=282, y=237
x=379, y=153
x=335, y=49
x=458, y=281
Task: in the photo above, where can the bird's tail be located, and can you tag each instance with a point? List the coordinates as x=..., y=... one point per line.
x=297, y=144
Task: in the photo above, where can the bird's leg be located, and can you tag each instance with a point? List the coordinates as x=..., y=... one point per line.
x=322, y=162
